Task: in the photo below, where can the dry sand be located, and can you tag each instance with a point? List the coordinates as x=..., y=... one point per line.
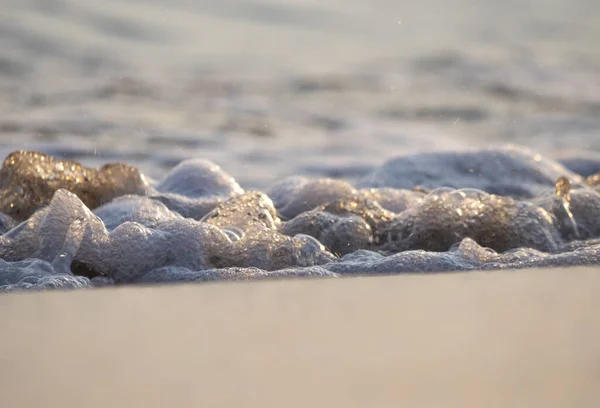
x=503, y=339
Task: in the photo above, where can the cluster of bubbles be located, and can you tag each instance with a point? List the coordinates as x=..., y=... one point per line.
x=65, y=226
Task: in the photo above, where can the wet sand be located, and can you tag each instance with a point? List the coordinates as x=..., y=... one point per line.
x=529, y=338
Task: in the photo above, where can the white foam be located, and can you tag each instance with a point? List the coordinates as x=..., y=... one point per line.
x=199, y=225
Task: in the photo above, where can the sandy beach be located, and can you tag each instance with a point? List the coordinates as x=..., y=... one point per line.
x=518, y=339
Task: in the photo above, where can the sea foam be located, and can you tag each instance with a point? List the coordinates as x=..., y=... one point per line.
x=65, y=226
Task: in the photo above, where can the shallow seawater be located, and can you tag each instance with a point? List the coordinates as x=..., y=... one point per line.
x=274, y=138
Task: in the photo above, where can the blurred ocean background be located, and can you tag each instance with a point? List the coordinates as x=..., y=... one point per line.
x=272, y=88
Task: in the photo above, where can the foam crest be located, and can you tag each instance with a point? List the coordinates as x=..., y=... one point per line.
x=195, y=208
x=465, y=256
x=579, y=213
x=340, y=234
x=260, y=245
x=171, y=274
x=28, y=180
x=131, y=249
x=195, y=187
x=417, y=261
x=58, y=282
x=247, y=211
x=270, y=250
x=199, y=178
x=445, y=217
x=295, y=195
x=511, y=171
x=49, y=231
x=6, y=223
x=343, y=226
x=140, y=209
x=392, y=199
x=35, y=274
